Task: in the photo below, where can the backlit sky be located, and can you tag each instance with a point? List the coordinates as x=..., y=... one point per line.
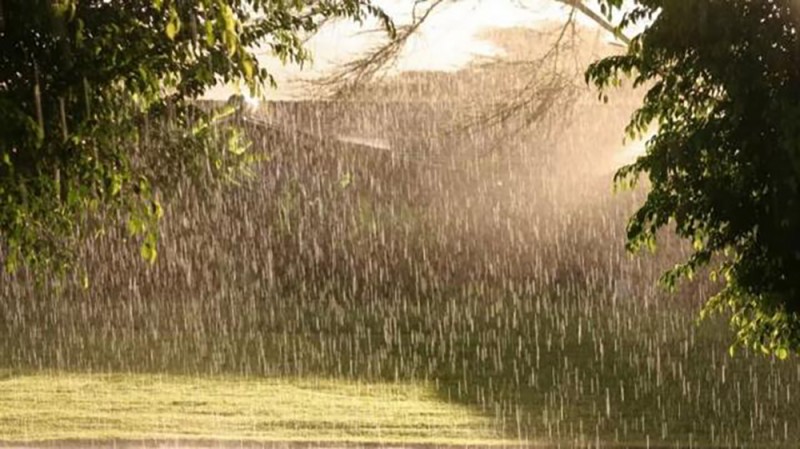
x=447, y=41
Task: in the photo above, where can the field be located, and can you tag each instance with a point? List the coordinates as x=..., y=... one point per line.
x=132, y=407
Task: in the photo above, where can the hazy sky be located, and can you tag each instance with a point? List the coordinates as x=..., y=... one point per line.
x=447, y=41
x=450, y=37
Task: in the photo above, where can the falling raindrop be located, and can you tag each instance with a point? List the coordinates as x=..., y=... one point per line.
x=379, y=241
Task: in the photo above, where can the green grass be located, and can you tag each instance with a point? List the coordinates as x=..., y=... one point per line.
x=42, y=407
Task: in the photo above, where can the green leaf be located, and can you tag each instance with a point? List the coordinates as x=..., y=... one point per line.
x=234, y=145
x=211, y=37
x=135, y=226
x=149, y=251
x=230, y=36
x=156, y=211
x=346, y=180
x=116, y=184
x=174, y=25
x=172, y=30
x=247, y=68
x=230, y=43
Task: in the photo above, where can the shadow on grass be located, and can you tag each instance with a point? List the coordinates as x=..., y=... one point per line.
x=546, y=367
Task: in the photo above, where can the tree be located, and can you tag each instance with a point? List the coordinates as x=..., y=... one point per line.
x=97, y=118
x=723, y=80
x=723, y=92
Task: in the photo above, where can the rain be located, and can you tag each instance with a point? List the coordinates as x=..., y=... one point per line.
x=388, y=238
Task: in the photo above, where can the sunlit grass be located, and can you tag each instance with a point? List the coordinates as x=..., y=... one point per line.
x=95, y=407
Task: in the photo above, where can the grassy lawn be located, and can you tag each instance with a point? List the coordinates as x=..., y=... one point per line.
x=45, y=407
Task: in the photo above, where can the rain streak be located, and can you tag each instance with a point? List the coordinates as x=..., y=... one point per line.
x=388, y=238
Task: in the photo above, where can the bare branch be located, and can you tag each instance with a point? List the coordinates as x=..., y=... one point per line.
x=550, y=88
x=355, y=74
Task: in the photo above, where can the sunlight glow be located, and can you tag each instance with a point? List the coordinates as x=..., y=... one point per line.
x=633, y=150
x=252, y=102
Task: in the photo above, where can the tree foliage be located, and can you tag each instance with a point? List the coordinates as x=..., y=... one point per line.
x=723, y=90
x=97, y=118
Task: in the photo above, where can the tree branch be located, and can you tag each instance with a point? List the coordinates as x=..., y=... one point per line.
x=597, y=18
x=357, y=73
x=354, y=74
